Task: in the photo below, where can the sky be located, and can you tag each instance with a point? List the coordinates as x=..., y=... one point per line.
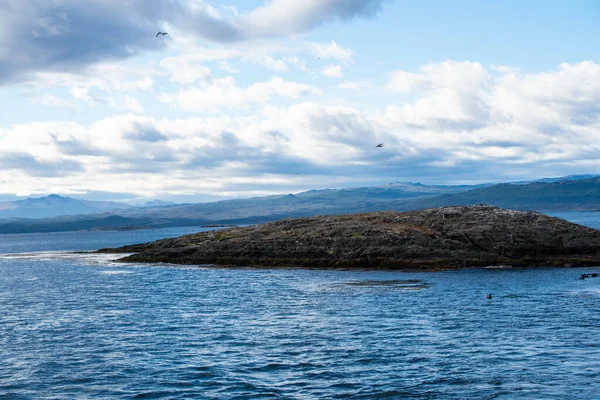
x=248, y=98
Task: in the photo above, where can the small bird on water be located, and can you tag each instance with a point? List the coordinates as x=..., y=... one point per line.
x=161, y=33
x=489, y=296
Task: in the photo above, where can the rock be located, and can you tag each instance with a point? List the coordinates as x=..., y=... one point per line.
x=439, y=238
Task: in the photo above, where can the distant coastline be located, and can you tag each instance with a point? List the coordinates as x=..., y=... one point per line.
x=124, y=228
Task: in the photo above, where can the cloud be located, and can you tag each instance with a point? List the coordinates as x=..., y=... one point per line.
x=355, y=85
x=43, y=35
x=272, y=64
x=453, y=94
x=226, y=66
x=225, y=93
x=82, y=93
x=332, y=71
x=144, y=132
x=332, y=51
x=107, y=77
x=132, y=104
x=189, y=155
x=69, y=35
x=297, y=62
x=325, y=135
x=462, y=121
x=532, y=120
x=35, y=167
x=460, y=76
x=184, y=70
x=466, y=96
x=285, y=17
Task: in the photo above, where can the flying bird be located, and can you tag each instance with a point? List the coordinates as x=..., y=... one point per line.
x=161, y=33
x=379, y=145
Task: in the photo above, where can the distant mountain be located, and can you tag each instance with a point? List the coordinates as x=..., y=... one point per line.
x=562, y=178
x=544, y=195
x=569, y=194
x=313, y=202
x=157, y=203
x=54, y=205
x=254, y=210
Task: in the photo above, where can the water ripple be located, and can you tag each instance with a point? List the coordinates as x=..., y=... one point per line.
x=81, y=328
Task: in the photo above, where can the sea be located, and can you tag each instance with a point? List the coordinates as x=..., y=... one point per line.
x=81, y=326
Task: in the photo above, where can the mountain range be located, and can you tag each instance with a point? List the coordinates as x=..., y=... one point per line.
x=571, y=193
x=55, y=205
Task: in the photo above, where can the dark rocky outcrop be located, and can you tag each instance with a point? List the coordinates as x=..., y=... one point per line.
x=439, y=238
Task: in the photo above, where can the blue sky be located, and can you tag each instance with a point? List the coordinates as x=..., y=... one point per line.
x=249, y=98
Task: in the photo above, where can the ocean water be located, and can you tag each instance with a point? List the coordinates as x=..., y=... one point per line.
x=81, y=326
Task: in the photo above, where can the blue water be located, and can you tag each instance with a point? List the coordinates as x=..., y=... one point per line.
x=81, y=326
x=85, y=240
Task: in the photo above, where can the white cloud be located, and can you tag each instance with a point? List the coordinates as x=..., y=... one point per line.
x=459, y=76
x=227, y=67
x=82, y=93
x=133, y=104
x=225, y=92
x=325, y=135
x=106, y=77
x=355, y=85
x=54, y=36
x=297, y=62
x=286, y=17
x=569, y=95
x=184, y=70
x=519, y=118
x=332, y=71
x=332, y=51
x=461, y=122
x=453, y=94
x=273, y=64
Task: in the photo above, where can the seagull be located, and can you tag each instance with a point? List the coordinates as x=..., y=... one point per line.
x=379, y=145
x=161, y=33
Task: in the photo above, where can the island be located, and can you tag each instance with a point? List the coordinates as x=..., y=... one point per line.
x=430, y=239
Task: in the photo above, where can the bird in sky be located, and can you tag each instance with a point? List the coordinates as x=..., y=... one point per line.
x=161, y=33
x=379, y=145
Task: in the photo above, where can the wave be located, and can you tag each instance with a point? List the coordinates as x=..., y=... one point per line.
x=116, y=272
x=84, y=257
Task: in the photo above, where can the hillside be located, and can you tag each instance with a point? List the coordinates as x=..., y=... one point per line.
x=448, y=237
x=54, y=205
x=565, y=195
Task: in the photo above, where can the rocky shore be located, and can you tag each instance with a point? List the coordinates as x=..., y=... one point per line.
x=432, y=239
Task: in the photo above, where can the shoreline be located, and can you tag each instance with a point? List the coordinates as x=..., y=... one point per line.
x=123, y=261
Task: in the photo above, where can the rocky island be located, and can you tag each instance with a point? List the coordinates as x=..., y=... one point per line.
x=431, y=239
